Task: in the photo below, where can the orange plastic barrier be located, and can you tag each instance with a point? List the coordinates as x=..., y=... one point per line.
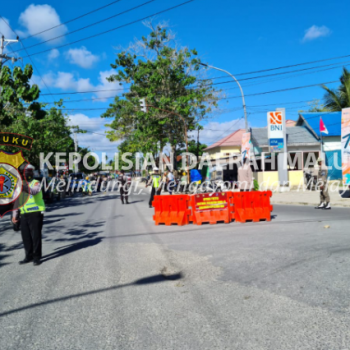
x=210, y=208
x=230, y=199
x=267, y=208
x=171, y=209
x=253, y=206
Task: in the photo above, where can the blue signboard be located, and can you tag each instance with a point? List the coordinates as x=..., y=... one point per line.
x=276, y=145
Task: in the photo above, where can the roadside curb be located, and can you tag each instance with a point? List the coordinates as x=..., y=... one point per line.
x=336, y=205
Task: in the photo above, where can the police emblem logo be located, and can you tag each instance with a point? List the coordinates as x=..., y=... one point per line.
x=11, y=181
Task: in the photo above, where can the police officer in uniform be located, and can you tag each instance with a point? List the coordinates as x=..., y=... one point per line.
x=322, y=180
x=155, y=181
x=31, y=218
x=124, y=188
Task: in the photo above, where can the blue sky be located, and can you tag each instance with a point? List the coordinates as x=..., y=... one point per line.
x=240, y=37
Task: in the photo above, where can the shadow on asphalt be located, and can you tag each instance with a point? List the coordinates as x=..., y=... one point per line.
x=71, y=248
x=63, y=215
x=3, y=256
x=147, y=280
x=72, y=202
x=49, y=222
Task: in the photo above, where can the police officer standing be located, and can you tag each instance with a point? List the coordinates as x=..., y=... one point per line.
x=156, y=185
x=124, y=188
x=31, y=217
x=322, y=180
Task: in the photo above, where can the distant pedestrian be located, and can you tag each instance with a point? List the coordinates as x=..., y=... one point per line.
x=124, y=187
x=322, y=181
x=183, y=182
x=170, y=182
x=155, y=182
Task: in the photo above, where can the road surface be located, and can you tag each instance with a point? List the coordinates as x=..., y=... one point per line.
x=111, y=279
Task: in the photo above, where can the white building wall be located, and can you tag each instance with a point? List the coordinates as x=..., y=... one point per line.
x=331, y=143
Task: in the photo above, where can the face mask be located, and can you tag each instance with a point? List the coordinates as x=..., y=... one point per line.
x=29, y=176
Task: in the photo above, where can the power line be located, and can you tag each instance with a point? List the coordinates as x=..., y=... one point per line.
x=113, y=29
x=84, y=92
x=292, y=65
x=90, y=25
x=261, y=93
x=229, y=130
x=282, y=90
x=283, y=73
x=72, y=20
x=230, y=81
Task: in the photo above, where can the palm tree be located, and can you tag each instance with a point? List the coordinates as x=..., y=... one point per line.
x=336, y=100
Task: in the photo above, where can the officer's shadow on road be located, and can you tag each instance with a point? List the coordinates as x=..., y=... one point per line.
x=63, y=215
x=77, y=200
x=75, y=233
x=3, y=256
x=71, y=248
x=159, y=278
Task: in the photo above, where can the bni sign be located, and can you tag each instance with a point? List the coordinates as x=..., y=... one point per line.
x=275, y=126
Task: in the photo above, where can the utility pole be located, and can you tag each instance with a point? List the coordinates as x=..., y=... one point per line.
x=3, y=56
x=198, y=144
x=76, y=168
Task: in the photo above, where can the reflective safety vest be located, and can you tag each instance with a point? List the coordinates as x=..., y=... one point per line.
x=35, y=203
x=86, y=185
x=156, y=180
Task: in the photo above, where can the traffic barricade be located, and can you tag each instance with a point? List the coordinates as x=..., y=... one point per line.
x=210, y=208
x=263, y=205
x=171, y=209
x=252, y=206
x=231, y=204
x=243, y=206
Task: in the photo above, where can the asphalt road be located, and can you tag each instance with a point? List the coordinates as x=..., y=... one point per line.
x=111, y=279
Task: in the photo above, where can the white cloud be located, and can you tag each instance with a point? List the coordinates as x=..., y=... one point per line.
x=5, y=29
x=37, y=18
x=67, y=81
x=94, y=139
x=64, y=81
x=316, y=32
x=106, y=85
x=54, y=53
x=82, y=57
x=86, y=123
x=214, y=131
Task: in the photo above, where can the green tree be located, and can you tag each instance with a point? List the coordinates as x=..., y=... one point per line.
x=17, y=96
x=154, y=69
x=21, y=113
x=90, y=160
x=194, y=147
x=125, y=147
x=336, y=100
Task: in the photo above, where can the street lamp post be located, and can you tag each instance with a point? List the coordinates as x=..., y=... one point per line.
x=244, y=106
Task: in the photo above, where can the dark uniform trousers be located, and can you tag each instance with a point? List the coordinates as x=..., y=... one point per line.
x=124, y=194
x=153, y=193
x=31, y=228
